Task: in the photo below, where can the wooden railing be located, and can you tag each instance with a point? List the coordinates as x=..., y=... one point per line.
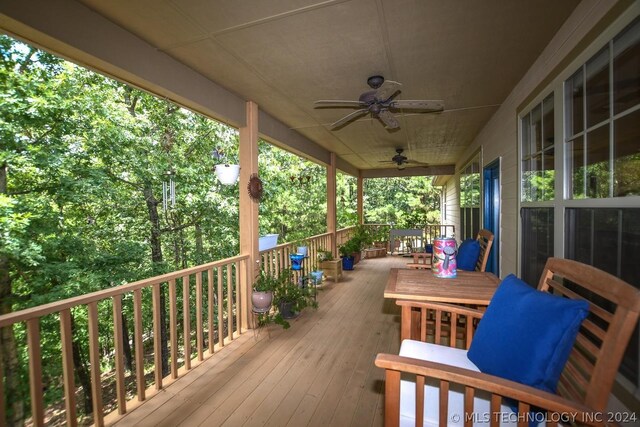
x=274, y=260
x=343, y=235
x=416, y=242
x=214, y=292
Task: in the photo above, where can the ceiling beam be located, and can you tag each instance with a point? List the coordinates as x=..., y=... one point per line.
x=415, y=171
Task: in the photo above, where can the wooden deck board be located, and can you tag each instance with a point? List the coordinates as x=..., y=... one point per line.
x=318, y=372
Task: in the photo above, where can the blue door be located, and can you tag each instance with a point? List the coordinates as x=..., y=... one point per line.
x=491, y=212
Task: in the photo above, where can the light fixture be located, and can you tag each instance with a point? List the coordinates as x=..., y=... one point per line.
x=401, y=166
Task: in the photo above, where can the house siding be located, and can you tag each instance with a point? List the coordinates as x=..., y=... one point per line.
x=499, y=137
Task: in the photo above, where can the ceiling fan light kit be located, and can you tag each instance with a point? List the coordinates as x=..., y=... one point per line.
x=380, y=103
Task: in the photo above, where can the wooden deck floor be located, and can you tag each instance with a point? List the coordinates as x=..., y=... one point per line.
x=320, y=372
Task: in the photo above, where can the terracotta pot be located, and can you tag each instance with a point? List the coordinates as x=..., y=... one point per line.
x=261, y=301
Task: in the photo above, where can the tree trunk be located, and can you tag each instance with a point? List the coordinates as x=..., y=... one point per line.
x=8, y=350
x=81, y=369
x=199, y=245
x=128, y=357
x=156, y=258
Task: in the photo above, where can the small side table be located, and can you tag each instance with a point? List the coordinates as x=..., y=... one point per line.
x=332, y=269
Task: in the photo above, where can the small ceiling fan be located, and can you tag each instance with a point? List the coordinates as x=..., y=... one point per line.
x=401, y=160
x=380, y=103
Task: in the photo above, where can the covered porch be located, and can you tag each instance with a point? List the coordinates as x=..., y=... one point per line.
x=260, y=71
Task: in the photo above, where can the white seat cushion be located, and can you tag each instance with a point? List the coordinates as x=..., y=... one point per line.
x=452, y=357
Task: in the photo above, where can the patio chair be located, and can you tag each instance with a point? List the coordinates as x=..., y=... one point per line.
x=430, y=384
x=421, y=260
x=485, y=238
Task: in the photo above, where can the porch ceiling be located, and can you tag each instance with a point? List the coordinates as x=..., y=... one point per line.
x=284, y=55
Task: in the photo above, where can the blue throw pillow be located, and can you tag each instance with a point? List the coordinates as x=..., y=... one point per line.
x=526, y=335
x=468, y=254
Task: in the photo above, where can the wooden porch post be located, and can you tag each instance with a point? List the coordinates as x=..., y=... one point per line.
x=331, y=203
x=360, y=197
x=248, y=208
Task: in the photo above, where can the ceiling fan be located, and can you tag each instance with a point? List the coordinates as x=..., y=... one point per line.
x=401, y=160
x=380, y=103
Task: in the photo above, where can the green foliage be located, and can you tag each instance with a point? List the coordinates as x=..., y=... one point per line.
x=265, y=283
x=294, y=202
x=288, y=290
x=402, y=202
x=324, y=255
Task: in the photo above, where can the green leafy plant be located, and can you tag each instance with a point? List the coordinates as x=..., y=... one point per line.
x=288, y=291
x=324, y=255
x=265, y=282
x=349, y=247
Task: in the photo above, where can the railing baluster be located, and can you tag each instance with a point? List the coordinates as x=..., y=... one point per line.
x=35, y=371
x=173, y=327
x=137, y=320
x=238, y=299
x=66, y=338
x=229, y=303
x=3, y=412
x=157, y=336
x=118, y=348
x=186, y=320
x=94, y=359
x=199, y=343
x=220, y=310
x=210, y=310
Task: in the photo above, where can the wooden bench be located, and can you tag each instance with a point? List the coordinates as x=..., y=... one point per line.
x=375, y=252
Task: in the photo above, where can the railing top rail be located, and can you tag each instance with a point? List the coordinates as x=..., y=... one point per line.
x=317, y=236
x=346, y=228
x=57, y=306
x=284, y=245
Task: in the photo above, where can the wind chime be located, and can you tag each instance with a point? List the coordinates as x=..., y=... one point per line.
x=169, y=191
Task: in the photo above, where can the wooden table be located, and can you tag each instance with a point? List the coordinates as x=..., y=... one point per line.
x=470, y=287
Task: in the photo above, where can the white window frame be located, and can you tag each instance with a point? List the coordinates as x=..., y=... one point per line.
x=561, y=200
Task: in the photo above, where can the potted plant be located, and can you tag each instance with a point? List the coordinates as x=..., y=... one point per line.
x=316, y=274
x=262, y=295
x=330, y=267
x=347, y=251
x=301, y=248
x=290, y=298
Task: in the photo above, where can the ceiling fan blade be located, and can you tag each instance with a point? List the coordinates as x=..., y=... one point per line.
x=337, y=103
x=387, y=90
x=427, y=105
x=388, y=119
x=348, y=118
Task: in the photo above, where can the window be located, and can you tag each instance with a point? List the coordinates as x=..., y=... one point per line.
x=537, y=242
x=602, y=112
x=538, y=171
x=470, y=200
x=608, y=238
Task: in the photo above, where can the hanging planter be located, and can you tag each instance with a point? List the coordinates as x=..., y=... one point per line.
x=227, y=174
x=296, y=261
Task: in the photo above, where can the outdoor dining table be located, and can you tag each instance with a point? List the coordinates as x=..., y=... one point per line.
x=469, y=287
